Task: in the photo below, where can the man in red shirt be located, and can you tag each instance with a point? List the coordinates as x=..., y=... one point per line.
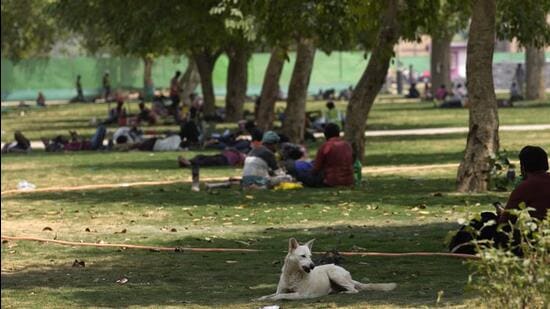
x=333, y=165
x=534, y=190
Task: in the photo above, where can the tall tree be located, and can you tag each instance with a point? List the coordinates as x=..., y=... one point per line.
x=373, y=77
x=106, y=24
x=270, y=89
x=483, y=141
x=535, y=63
x=381, y=25
x=526, y=21
x=294, y=123
x=200, y=34
x=239, y=54
x=27, y=30
x=451, y=17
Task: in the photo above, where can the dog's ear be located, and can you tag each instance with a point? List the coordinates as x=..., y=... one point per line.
x=309, y=244
x=292, y=244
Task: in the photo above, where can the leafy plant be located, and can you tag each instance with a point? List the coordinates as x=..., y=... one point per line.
x=503, y=173
x=512, y=281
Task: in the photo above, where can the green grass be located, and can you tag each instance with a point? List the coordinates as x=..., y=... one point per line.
x=396, y=211
x=58, y=119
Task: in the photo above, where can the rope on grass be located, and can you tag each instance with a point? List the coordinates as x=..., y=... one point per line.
x=107, y=186
x=372, y=169
x=237, y=250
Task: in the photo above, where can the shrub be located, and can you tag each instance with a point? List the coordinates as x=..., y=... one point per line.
x=507, y=280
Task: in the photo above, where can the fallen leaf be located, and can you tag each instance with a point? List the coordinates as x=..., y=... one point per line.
x=122, y=280
x=231, y=262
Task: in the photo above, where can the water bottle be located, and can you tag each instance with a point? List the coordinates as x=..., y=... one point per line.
x=357, y=172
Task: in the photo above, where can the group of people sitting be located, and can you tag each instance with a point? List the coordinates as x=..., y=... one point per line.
x=333, y=165
x=456, y=98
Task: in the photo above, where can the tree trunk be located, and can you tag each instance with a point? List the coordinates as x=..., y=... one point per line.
x=534, y=62
x=270, y=90
x=189, y=81
x=372, y=80
x=148, y=88
x=295, y=112
x=440, y=61
x=483, y=142
x=205, y=64
x=237, y=79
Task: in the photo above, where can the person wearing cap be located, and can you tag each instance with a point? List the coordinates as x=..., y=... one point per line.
x=260, y=166
x=534, y=190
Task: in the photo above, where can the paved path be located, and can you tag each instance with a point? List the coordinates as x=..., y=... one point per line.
x=408, y=132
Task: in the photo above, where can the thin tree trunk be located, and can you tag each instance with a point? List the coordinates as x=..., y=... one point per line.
x=189, y=81
x=205, y=64
x=483, y=142
x=295, y=112
x=148, y=77
x=372, y=80
x=237, y=79
x=440, y=61
x=534, y=62
x=270, y=90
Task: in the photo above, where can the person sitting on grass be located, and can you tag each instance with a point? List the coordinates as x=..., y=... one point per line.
x=260, y=166
x=533, y=191
x=333, y=164
x=413, y=92
x=20, y=145
x=116, y=113
x=441, y=93
x=146, y=115
x=41, y=100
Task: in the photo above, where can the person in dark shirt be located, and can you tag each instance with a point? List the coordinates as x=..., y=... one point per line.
x=534, y=190
x=106, y=82
x=413, y=92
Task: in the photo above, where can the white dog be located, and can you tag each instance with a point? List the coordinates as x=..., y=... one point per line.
x=301, y=279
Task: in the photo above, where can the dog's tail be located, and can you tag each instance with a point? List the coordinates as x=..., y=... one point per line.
x=374, y=286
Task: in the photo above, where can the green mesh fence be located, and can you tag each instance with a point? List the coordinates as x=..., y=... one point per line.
x=56, y=76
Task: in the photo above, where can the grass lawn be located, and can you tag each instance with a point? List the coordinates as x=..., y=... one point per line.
x=58, y=119
x=398, y=211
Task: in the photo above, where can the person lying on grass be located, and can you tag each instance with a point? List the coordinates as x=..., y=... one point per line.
x=261, y=170
x=533, y=191
x=228, y=157
x=229, y=139
x=76, y=142
x=20, y=145
x=171, y=142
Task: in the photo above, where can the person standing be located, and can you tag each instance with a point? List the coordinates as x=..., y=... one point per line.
x=106, y=86
x=79, y=92
x=519, y=77
x=175, y=92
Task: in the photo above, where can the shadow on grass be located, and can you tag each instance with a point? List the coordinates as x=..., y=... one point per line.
x=397, y=191
x=166, y=278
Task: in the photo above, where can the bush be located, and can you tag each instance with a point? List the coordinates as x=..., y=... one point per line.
x=503, y=173
x=509, y=281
